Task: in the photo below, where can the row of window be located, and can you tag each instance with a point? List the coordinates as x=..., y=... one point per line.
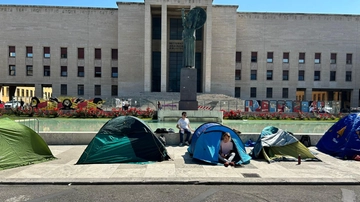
x=286, y=58
x=81, y=90
x=285, y=75
x=63, y=52
x=23, y=93
x=63, y=71
x=269, y=92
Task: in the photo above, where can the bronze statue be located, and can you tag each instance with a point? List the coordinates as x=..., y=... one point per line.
x=192, y=21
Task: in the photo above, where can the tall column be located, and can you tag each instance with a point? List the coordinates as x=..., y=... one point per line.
x=354, y=102
x=207, y=50
x=308, y=94
x=147, y=49
x=164, y=42
x=39, y=90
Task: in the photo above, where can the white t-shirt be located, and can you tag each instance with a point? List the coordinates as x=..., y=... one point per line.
x=226, y=147
x=184, y=123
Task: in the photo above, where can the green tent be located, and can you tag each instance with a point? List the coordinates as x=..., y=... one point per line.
x=275, y=144
x=20, y=145
x=124, y=139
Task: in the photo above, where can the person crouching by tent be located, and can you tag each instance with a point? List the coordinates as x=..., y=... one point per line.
x=183, y=125
x=226, y=152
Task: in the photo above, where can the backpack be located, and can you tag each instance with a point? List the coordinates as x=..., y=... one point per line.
x=305, y=140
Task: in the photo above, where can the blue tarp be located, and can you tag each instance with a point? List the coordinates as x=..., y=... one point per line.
x=205, y=143
x=341, y=139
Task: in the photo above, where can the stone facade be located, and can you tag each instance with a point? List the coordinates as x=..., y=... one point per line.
x=128, y=29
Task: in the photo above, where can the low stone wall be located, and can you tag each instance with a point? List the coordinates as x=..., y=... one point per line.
x=193, y=115
x=84, y=138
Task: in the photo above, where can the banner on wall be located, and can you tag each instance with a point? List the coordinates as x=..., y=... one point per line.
x=297, y=106
x=272, y=107
x=288, y=106
x=281, y=105
x=265, y=106
x=305, y=106
x=252, y=106
x=248, y=105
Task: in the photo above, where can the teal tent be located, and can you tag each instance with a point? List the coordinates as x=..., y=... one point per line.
x=20, y=145
x=124, y=139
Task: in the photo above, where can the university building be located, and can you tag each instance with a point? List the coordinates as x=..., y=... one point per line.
x=137, y=47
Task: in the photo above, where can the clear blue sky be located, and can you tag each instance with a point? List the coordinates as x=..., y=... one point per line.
x=283, y=6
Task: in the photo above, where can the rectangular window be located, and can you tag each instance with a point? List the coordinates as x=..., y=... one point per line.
x=285, y=93
x=114, y=90
x=237, y=92
x=316, y=75
x=332, y=75
x=269, y=92
x=63, y=52
x=253, y=92
x=22, y=92
x=114, y=72
x=238, y=57
x=29, y=70
x=238, y=74
x=348, y=58
x=46, y=52
x=80, y=89
x=285, y=75
x=253, y=75
x=29, y=51
x=301, y=76
x=12, y=70
x=12, y=52
x=156, y=27
x=317, y=58
x=97, y=72
x=27, y=93
x=63, y=72
x=333, y=58
x=81, y=72
x=63, y=89
x=176, y=28
x=270, y=57
x=81, y=53
x=286, y=57
x=301, y=58
x=46, y=70
x=254, y=57
x=97, y=89
x=348, y=76
x=114, y=54
x=269, y=75
x=97, y=54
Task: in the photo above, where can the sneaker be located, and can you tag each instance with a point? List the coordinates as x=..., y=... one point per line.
x=226, y=164
x=187, y=143
x=232, y=163
x=181, y=144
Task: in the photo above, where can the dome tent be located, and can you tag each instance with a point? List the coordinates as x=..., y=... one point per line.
x=124, y=139
x=205, y=144
x=275, y=144
x=342, y=139
x=20, y=145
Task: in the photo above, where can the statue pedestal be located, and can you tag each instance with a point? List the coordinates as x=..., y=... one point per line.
x=188, y=87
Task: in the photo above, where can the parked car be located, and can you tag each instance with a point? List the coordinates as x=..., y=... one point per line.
x=12, y=104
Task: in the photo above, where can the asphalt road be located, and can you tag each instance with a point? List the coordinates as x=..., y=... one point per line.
x=174, y=193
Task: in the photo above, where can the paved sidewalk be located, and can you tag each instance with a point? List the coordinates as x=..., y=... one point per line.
x=181, y=170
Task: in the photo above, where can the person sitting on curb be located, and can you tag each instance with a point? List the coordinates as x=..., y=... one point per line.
x=184, y=128
x=226, y=152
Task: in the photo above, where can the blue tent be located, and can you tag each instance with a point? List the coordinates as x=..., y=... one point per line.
x=341, y=139
x=205, y=143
